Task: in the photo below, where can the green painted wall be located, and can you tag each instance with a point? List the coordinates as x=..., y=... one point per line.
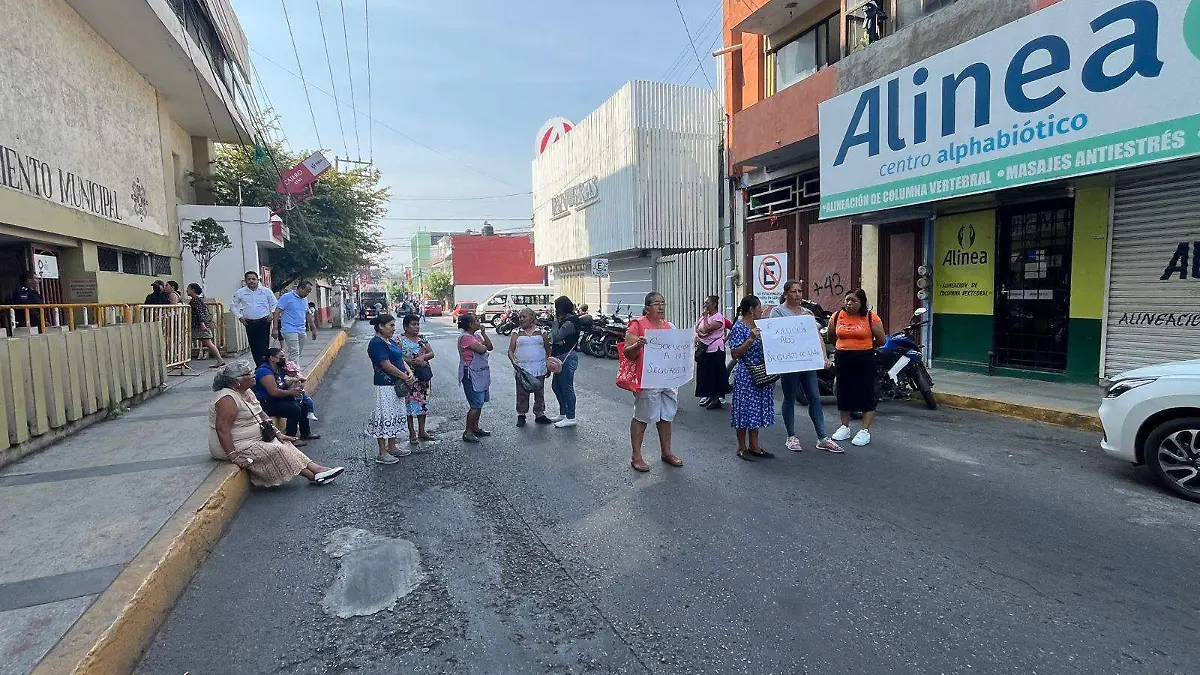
x=961, y=339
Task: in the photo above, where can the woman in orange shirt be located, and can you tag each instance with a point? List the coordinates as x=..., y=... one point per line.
x=858, y=331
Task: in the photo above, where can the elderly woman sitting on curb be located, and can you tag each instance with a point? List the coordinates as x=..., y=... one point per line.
x=241, y=433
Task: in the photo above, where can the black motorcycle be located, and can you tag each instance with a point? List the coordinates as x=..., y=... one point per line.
x=902, y=366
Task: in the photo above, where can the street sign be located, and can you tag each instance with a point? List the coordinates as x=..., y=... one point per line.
x=600, y=268
x=297, y=179
x=770, y=272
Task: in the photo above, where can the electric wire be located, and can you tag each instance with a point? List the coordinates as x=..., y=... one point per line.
x=692, y=41
x=332, y=80
x=296, y=50
x=350, y=75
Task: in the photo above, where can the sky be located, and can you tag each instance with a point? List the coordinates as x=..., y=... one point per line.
x=458, y=89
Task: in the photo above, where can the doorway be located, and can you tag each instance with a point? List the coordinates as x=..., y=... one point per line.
x=1033, y=285
x=901, y=252
x=786, y=233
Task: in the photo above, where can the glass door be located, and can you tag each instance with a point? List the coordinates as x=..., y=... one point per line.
x=1033, y=285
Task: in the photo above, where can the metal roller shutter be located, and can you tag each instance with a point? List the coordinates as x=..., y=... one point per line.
x=1151, y=320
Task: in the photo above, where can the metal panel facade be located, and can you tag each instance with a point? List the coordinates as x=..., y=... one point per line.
x=652, y=152
x=685, y=280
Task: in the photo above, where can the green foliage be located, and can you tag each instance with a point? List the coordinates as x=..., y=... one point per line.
x=333, y=233
x=438, y=285
x=205, y=240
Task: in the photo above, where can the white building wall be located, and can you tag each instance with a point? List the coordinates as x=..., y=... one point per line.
x=248, y=228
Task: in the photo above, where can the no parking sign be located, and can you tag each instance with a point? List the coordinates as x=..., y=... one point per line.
x=770, y=273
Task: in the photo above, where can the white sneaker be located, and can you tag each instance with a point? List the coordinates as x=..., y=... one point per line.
x=563, y=424
x=555, y=418
x=843, y=434
x=793, y=444
x=312, y=416
x=861, y=438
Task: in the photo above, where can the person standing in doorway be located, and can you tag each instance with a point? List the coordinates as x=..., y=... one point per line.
x=859, y=332
x=253, y=305
x=807, y=382
x=292, y=320
x=202, y=323
x=27, y=293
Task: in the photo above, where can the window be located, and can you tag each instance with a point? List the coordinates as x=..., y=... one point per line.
x=805, y=54
x=162, y=265
x=110, y=259
x=131, y=263
x=497, y=300
x=908, y=11
x=177, y=163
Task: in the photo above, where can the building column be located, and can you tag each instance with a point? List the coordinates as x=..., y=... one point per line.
x=870, y=263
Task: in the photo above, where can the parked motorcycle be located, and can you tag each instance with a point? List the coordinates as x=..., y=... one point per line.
x=825, y=377
x=902, y=366
x=507, y=323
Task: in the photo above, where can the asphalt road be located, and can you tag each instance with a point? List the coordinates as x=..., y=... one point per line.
x=955, y=543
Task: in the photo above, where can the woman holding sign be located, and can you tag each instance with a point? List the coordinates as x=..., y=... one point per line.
x=858, y=331
x=807, y=381
x=753, y=403
x=650, y=406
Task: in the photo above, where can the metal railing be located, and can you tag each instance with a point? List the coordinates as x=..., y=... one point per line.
x=69, y=316
x=176, y=323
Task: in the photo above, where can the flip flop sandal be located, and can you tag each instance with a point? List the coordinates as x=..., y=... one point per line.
x=762, y=454
x=642, y=468
x=673, y=460
x=746, y=455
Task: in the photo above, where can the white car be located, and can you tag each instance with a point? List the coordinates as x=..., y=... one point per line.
x=1151, y=416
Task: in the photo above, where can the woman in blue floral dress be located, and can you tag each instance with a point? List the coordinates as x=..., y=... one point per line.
x=417, y=354
x=753, y=406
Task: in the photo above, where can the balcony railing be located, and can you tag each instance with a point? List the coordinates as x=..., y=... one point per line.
x=876, y=19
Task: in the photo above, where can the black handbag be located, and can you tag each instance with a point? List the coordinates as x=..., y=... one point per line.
x=269, y=432
x=758, y=373
x=423, y=373
x=701, y=350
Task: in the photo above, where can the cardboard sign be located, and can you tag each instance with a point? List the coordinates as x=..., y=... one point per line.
x=667, y=358
x=791, y=344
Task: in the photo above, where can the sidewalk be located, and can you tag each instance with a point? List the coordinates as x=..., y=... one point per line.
x=1063, y=404
x=100, y=532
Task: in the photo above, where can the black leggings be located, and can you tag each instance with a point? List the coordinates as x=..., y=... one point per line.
x=290, y=410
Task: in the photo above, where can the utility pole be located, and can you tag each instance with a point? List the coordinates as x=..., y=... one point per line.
x=337, y=162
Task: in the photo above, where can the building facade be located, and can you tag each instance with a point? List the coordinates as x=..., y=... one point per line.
x=481, y=264
x=986, y=157
x=105, y=111
x=635, y=180
x=423, y=257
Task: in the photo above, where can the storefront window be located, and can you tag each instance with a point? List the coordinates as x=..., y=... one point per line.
x=805, y=54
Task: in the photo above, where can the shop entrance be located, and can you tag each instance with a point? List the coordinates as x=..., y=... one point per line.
x=1033, y=285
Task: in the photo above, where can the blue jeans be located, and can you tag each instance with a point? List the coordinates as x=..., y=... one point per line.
x=564, y=386
x=793, y=382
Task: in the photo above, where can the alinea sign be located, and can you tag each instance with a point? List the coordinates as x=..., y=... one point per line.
x=1084, y=86
x=575, y=198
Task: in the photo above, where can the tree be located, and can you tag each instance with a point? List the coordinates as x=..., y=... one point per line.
x=333, y=233
x=205, y=240
x=439, y=285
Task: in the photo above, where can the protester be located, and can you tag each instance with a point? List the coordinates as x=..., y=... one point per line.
x=564, y=337
x=253, y=306
x=293, y=377
x=529, y=350
x=650, y=406
x=174, y=297
x=292, y=320
x=858, y=331
x=417, y=354
x=793, y=292
x=202, y=323
x=278, y=400
x=474, y=373
x=26, y=293
x=241, y=433
x=387, y=363
x=712, y=380
x=753, y=406
x=158, y=294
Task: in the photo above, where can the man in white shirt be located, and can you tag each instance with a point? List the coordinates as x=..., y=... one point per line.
x=253, y=306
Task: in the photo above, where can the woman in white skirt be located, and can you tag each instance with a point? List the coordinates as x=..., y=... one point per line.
x=390, y=418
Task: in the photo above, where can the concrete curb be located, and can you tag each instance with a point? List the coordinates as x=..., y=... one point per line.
x=1062, y=418
x=112, y=635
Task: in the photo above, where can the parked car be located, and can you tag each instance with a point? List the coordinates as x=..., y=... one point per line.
x=1151, y=416
x=463, y=308
x=433, y=307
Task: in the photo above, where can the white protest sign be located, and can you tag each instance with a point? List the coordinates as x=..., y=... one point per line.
x=791, y=344
x=667, y=358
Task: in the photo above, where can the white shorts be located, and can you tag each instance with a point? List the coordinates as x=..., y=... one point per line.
x=655, y=405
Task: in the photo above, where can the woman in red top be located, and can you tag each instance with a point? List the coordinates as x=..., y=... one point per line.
x=650, y=406
x=858, y=331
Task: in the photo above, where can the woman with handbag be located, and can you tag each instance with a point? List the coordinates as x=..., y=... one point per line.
x=753, y=389
x=712, y=380
x=240, y=432
x=474, y=373
x=650, y=406
x=858, y=332
x=529, y=351
x=417, y=354
x=278, y=400
x=393, y=381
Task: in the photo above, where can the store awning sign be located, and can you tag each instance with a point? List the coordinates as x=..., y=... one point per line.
x=298, y=179
x=1081, y=87
x=575, y=198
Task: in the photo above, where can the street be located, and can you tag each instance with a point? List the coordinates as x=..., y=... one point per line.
x=956, y=542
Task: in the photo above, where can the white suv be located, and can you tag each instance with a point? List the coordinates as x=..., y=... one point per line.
x=1151, y=416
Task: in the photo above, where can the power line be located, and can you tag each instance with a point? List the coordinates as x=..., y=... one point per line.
x=296, y=51
x=385, y=125
x=472, y=220
x=370, y=127
x=332, y=81
x=350, y=74
x=455, y=199
x=691, y=41
x=681, y=58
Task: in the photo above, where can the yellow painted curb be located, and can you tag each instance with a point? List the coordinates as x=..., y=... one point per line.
x=112, y=635
x=1062, y=418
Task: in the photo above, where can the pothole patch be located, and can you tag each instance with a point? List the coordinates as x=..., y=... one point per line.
x=375, y=572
